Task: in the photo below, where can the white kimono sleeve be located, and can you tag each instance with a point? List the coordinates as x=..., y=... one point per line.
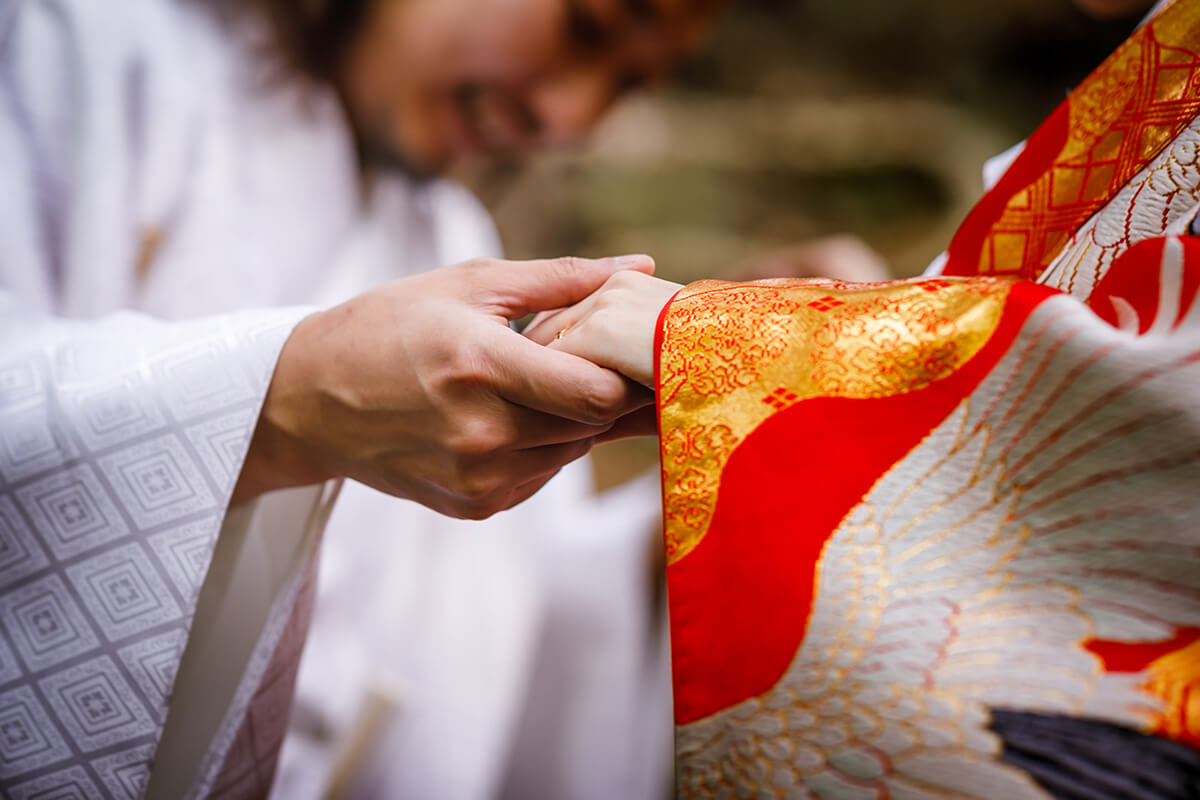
x=121, y=439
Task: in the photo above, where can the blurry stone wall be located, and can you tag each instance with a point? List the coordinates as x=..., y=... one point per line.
x=801, y=119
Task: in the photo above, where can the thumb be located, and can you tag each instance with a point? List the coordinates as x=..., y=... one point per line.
x=517, y=288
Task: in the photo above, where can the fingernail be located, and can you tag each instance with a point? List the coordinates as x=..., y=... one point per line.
x=631, y=260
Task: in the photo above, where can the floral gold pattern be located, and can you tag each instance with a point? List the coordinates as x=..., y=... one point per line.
x=735, y=354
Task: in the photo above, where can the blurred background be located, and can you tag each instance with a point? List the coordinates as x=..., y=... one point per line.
x=802, y=119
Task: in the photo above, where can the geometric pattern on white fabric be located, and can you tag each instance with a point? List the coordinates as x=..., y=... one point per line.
x=69, y=784
x=21, y=553
x=183, y=553
x=254, y=706
x=973, y=571
x=248, y=769
x=95, y=704
x=125, y=774
x=218, y=442
x=152, y=663
x=120, y=443
x=31, y=442
x=157, y=482
x=124, y=591
x=9, y=668
x=196, y=380
x=71, y=510
x=28, y=739
x=20, y=384
x=46, y=624
x=113, y=414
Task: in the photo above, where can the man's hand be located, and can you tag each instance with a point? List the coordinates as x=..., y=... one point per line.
x=420, y=389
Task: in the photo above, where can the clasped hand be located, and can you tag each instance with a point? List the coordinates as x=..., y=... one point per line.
x=613, y=327
x=421, y=389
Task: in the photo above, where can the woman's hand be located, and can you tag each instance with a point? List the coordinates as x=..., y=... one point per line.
x=613, y=327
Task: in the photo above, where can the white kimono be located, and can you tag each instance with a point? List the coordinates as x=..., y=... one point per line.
x=150, y=176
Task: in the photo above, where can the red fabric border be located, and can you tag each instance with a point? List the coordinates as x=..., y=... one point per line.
x=740, y=601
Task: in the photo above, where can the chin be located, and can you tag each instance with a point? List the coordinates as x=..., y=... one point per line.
x=382, y=151
x=394, y=159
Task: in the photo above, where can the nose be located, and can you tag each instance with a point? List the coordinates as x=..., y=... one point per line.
x=569, y=102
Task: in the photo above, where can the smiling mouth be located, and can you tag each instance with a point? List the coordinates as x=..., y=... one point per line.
x=492, y=121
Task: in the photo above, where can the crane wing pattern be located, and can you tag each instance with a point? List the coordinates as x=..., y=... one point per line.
x=1037, y=551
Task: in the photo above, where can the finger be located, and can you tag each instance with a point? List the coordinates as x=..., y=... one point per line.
x=523, y=491
x=623, y=345
x=547, y=320
x=537, y=429
x=512, y=479
x=559, y=383
x=544, y=331
x=643, y=422
x=536, y=462
x=539, y=318
x=527, y=490
x=516, y=288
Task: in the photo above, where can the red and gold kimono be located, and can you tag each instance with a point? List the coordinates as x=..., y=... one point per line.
x=940, y=538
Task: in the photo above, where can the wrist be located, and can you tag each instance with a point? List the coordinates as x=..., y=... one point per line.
x=281, y=455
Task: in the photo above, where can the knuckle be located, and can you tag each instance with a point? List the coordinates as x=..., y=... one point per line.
x=481, y=430
x=478, y=508
x=470, y=510
x=477, y=264
x=611, y=324
x=601, y=402
x=625, y=279
x=480, y=513
x=465, y=364
x=478, y=275
x=610, y=299
x=573, y=452
x=470, y=483
x=565, y=267
x=475, y=440
x=476, y=489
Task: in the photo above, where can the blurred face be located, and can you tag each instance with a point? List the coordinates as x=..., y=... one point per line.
x=430, y=81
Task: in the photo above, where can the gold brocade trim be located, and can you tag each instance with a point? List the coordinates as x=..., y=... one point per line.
x=1121, y=118
x=733, y=355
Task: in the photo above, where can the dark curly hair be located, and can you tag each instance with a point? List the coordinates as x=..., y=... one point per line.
x=312, y=36
x=308, y=37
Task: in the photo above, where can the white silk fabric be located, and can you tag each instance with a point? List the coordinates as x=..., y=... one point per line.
x=168, y=216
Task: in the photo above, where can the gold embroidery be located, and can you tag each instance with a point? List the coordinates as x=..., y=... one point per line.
x=1160, y=199
x=1121, y=118
x=735, y=354
x=1098, y=103
x=688, y=503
